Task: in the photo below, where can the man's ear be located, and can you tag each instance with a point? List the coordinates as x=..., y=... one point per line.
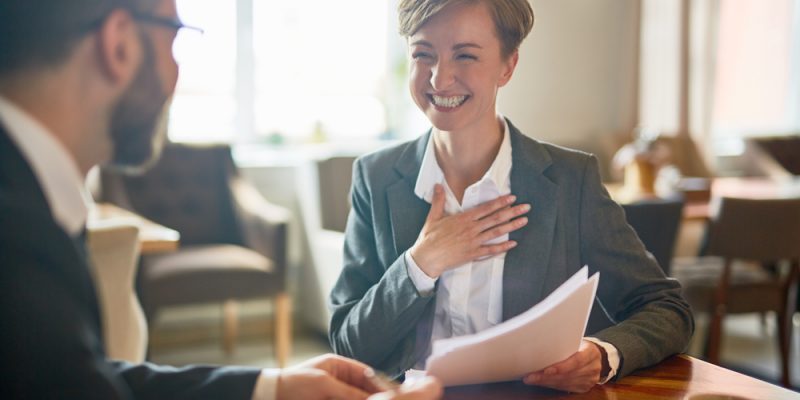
x=508, y=68
x=119, y=47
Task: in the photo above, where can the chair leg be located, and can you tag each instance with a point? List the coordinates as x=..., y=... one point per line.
x=283, y=328
x=784, y=343
x=714, y=337
x=230, y=326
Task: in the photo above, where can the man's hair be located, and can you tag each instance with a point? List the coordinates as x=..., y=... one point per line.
x=43, y=33
x=513, y=19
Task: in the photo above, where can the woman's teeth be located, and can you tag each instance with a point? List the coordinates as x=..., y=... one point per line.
x=448, y=102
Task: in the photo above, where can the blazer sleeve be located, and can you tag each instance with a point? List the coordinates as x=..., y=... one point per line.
x=50, y=349
x=375, y=308
x=150, y=381
x=653, y=321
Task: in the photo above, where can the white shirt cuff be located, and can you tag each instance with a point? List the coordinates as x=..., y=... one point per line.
x=422, y=282
x=267, y=384
x=613, y=356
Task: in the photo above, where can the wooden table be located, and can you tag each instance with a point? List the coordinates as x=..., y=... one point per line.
x=748, y=188
x=153, y=238
x=678, y=377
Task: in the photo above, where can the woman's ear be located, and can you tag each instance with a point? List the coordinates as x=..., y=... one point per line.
x=119, y=48
x=509, y=65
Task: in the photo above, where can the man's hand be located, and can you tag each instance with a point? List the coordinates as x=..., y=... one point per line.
x=446, y=242
x=578, y=374
x=325, y=377
x=427, y=388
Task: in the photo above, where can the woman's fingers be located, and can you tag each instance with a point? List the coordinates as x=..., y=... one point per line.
x=490, y=207
x=578, y=373
x=503, y=229
x=437, y=204
x=493, y=249
x=502, y=215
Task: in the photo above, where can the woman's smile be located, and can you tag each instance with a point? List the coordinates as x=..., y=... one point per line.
x=447, y=103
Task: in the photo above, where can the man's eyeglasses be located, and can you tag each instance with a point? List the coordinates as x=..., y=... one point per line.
x=173, y=23
x=167, y=22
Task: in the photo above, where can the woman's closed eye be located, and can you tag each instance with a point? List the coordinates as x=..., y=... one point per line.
x=466, y=57
x=422, y=56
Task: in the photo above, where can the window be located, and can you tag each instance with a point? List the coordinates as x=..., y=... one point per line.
x=204, y=107
x=286, y=71
x=757, y=71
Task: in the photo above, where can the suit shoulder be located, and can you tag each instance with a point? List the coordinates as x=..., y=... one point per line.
x=380, y=164
x=554, y=157
x=386, y=155
x=561, y=154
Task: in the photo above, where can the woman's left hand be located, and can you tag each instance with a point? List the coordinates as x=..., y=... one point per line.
x=578, y=374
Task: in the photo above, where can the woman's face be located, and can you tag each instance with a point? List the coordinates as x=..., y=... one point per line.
x=457, y=67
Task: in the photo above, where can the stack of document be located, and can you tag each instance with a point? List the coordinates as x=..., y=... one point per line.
x=547, y=333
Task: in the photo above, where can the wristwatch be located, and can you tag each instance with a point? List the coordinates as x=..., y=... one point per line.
x=605, y=367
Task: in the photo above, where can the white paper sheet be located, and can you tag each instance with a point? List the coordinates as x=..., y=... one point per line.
x=547, y=333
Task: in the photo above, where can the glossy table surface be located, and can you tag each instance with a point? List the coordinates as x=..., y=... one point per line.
x=678, y=377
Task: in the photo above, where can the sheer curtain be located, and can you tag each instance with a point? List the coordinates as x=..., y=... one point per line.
x=718, y=71
x=756, y=70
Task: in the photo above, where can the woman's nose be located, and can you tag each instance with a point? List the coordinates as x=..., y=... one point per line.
x=442, y=76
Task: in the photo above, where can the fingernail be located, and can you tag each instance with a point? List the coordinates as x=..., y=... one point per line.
x=532, y=378
x=512, y=244
x=511, y=199
x=526, y=207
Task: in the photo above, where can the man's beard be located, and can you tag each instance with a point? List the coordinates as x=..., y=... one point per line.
x=137, y=131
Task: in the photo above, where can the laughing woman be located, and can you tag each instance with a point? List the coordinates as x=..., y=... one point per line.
x=474, y=222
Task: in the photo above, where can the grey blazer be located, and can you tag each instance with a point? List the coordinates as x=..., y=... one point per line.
x=381, y=319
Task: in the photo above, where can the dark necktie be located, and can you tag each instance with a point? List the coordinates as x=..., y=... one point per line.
x=80, y=243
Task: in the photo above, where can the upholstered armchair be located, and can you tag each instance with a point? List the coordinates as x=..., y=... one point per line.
x=233, y=242
x=324, y=198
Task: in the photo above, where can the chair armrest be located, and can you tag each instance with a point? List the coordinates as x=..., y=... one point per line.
x=264, y=225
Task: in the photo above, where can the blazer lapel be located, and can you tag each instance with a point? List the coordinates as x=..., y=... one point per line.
x=526, y=265
x=407, y=211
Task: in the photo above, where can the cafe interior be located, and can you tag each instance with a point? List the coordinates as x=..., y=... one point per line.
x=226, y=250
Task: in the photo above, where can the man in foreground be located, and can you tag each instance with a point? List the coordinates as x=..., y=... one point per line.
x=83, y=83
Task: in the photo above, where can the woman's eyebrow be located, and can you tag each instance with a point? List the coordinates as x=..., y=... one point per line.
x=460, y=46
x=422, y=43
x=457, y=46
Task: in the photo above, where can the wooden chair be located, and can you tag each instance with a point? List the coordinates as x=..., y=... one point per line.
x=656, y=221
x=233, y=242
x=742, y=237
x=113, y=246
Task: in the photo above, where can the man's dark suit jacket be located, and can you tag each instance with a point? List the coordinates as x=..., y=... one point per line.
x=381, y=319
x=50, y=338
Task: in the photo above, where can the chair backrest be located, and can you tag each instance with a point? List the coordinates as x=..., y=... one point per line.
x=187, y=190
x=657, y=222
x=335, y=175
x=113, y=246
x=755, y=229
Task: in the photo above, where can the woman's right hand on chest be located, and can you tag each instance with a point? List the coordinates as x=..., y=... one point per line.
x=446, y=242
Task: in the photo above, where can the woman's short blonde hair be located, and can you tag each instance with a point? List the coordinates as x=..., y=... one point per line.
x=513, y=19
